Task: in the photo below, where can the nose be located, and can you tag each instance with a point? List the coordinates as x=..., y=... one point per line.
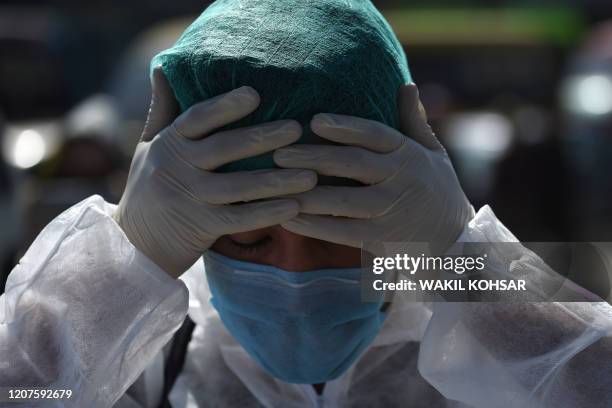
x=298, y=253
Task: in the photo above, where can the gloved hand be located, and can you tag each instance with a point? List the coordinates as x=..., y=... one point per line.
x=411, y=192
x=174, y=207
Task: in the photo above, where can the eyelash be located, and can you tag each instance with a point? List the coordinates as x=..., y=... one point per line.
x=252, y=247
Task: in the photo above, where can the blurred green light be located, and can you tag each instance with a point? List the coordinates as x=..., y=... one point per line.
x=486, y=26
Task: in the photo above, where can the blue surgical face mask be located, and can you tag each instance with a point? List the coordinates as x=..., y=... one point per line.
x=302, y=327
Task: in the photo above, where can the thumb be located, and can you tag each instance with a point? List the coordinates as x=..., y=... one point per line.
x=413, y=119
x=164, y=107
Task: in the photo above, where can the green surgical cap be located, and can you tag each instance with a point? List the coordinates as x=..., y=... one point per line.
x=303, y=57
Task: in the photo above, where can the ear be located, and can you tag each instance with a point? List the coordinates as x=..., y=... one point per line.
x=413, y=118
x=163, y=108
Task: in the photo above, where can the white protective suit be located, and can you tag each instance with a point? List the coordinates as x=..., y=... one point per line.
x=85, y=311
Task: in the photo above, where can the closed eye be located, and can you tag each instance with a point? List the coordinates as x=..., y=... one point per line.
x=251, y=247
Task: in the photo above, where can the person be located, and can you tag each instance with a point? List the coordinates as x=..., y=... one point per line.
x=93, y=305
x=8, y=210
x=586, y=113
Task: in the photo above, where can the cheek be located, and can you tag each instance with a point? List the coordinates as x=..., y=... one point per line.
x=219, y=245
x=344, y=256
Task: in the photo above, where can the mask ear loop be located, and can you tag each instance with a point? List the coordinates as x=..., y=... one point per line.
x=390, y=276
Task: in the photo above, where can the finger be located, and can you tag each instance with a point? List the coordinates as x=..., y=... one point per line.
x=163, y=108
x=252, y=216
x=340, y=201
x=339, y=161
x=231, y=145
x=333, y=229
x=254, y=185
x=413, y=119
x=355, y=131
x=202, y=118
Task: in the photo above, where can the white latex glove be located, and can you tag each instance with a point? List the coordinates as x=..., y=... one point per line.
x=411, y=192
x=174, y=207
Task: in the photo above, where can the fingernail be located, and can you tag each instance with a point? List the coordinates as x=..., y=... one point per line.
x=246, y=92
x=288, y=206
x=288, y=153
x=291, y=128
x=412, y=90
x=155, y=75
x=309, y=176
x=323, y=119
x=156, y=69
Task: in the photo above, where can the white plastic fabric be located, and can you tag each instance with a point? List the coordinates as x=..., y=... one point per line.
x=85, y=311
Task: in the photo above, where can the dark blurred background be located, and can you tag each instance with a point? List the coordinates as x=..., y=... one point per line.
x=519, y=92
